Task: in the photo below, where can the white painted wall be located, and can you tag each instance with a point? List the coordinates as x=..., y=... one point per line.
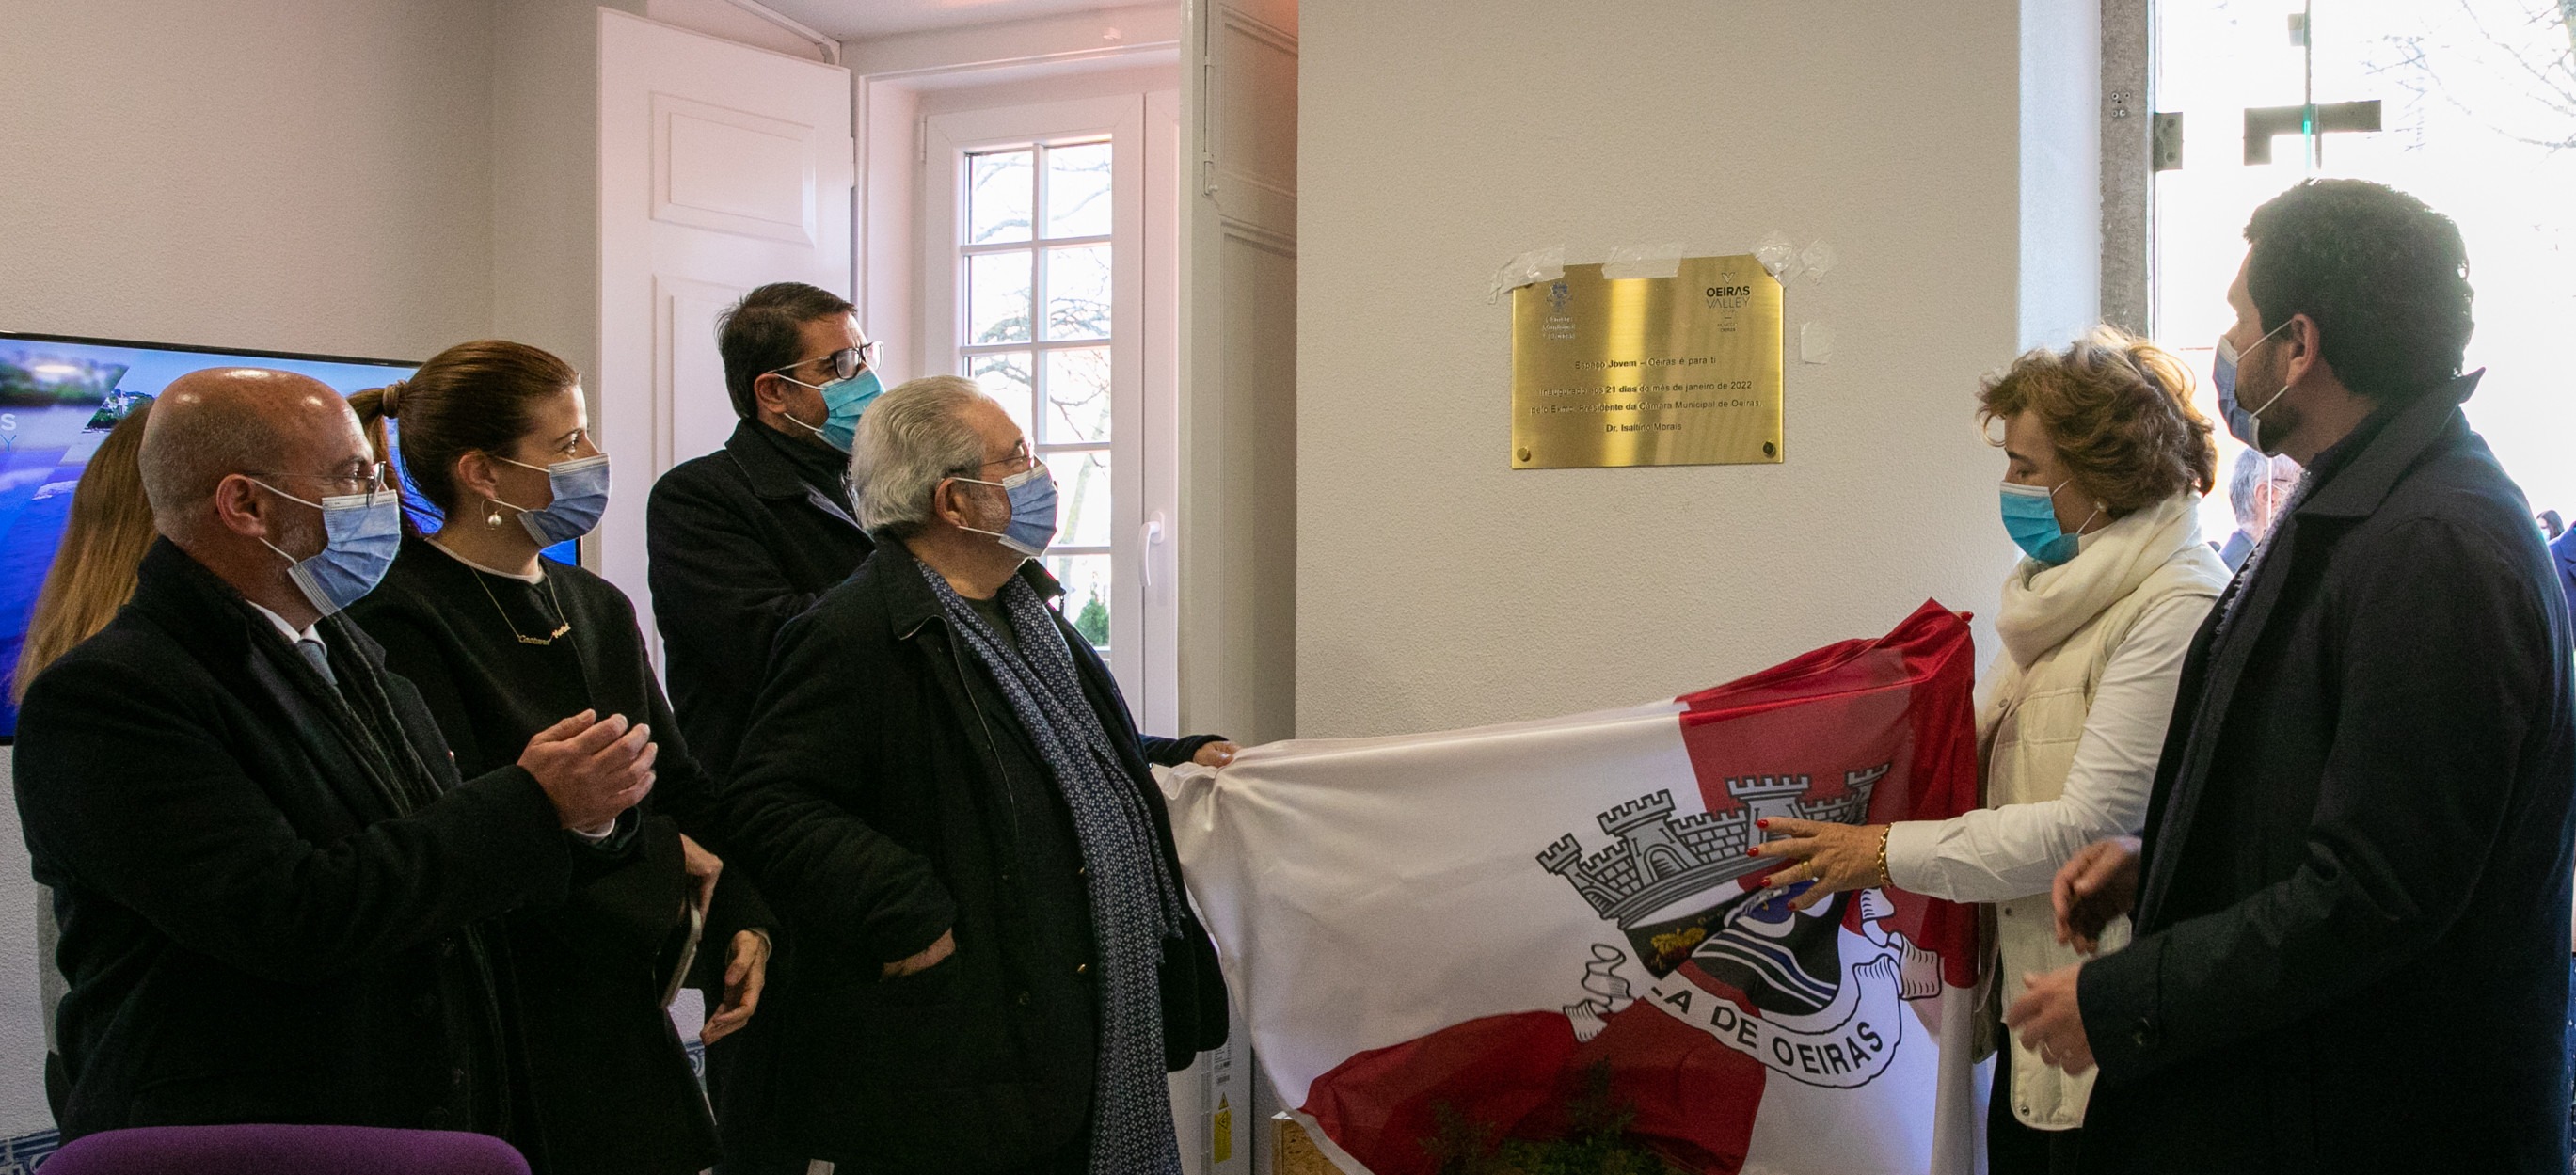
x=544, y=149
x=235, y=173
x=1436, y=587
x=2061, y=174
x=22, y=1023
x=249, y=174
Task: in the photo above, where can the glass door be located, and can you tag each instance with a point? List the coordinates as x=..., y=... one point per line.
x=2469, y=105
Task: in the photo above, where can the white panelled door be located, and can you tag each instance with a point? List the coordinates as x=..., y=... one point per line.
x=721, y=168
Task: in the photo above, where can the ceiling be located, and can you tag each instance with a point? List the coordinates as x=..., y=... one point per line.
x=861, y=19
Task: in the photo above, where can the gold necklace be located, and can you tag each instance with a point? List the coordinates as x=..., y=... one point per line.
x=562, y=626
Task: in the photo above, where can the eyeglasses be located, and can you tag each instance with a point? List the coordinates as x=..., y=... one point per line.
x=846, y=363
x=370, y=481
x=1019, y=456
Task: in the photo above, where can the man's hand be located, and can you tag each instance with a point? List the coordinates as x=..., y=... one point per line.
x=928, y=958
x=1216, y=754
x=592, y=768
x=702, y=867
x=2046, y=1020
x=2098, y=885
x=745, y=973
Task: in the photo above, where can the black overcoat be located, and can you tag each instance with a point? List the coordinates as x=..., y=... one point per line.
x=876, y=719
x=740, y=541
x=260, y=921
x=2352, y=949
x=611, y=1085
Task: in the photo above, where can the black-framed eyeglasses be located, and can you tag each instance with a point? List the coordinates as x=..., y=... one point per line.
x=845, y=363
x=371, y=480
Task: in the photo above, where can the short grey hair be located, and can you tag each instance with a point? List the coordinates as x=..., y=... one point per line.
x=2251, y=471
x=909, y=440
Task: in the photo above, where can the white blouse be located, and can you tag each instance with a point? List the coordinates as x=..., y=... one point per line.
x=1997, y=854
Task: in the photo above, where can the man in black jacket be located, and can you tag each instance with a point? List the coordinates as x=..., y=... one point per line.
x=741, y=540
x=2351, y=902
x=744, y=538
x=994, y=973
x=275, y=893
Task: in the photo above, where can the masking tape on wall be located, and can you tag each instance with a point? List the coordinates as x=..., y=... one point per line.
x=1659, y=260
x=1536, y=265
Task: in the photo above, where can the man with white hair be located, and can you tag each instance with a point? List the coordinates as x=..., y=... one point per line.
x=274, y=889
x=1016, y=966
x=2257, y=488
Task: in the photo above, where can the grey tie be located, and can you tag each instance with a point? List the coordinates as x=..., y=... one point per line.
x=318, y=657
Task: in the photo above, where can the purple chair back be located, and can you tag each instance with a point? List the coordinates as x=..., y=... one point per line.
x=284, y=1150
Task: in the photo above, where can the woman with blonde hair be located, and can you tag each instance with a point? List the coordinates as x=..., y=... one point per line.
x=2106, y=462
x=104, y=537
x=103, y=542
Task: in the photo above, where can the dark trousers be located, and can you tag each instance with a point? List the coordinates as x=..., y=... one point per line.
x=2015, y=1149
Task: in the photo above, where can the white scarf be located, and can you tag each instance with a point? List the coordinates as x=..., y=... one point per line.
x=2044, y=605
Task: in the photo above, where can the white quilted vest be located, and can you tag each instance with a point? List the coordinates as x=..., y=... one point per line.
x=2060, y=627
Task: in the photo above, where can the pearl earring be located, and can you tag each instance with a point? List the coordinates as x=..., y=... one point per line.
x=493, y=519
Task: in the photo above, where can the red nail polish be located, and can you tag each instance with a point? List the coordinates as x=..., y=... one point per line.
x=1762, y=824
x=1756, y=851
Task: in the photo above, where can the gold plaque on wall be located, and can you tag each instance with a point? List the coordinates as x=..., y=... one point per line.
x=1681, y=370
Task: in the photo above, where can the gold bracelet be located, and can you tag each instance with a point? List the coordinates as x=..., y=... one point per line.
x=1884, y=880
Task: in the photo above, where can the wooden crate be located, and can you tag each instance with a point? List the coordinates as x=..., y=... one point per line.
x=1297, y=1153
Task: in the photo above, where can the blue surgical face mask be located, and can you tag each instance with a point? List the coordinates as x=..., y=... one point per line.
x=843, y=401
x=1033, y=502
x=2030, y=517
x=2245, y=426
x=362, y=534
x=580, y=497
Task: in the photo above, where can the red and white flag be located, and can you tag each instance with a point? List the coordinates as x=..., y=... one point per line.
x=1467, y=927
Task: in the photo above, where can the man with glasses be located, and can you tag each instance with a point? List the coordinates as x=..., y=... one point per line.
x=741, y=540
x=276, y=894
x=745, y=537
x=943, y=795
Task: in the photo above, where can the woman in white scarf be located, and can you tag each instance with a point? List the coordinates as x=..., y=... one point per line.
x=2106, y=462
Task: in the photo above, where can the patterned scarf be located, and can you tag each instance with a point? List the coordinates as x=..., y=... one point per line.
x=1135, y=905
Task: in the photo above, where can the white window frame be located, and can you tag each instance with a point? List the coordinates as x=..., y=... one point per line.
x=1143, y=352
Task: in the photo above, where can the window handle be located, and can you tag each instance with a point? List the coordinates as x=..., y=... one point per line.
x=1153, y=535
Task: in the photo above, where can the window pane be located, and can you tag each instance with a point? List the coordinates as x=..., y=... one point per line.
x=1077, y=180
x=1082, y=486
x=997, y=293
x=999, y=187
x=1005, y=376
x=1077, y=397
x=1077, y=294
x=1086, y=594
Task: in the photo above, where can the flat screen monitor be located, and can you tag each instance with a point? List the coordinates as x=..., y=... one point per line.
x=59, y=396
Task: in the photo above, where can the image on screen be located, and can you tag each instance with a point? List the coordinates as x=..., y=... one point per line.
x=59, y=396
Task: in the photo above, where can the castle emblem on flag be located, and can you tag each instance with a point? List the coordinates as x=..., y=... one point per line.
x=1658, y=860
x=1822, y=1010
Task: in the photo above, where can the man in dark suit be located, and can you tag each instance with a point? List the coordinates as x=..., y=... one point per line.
x=744, y=538
x=2351, y=901
x=740, y=541
x=274, y=890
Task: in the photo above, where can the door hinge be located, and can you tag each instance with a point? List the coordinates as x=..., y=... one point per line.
x=2164, y=150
